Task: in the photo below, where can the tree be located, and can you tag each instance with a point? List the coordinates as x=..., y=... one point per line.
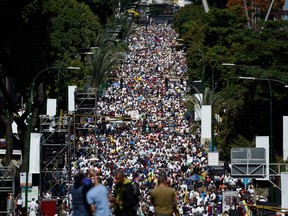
x=257, y=8
x=187, y=17
x=71, y=26
x=103, y=60
x=101, y=8
x=223, y=37
x=209, y=97
x=37, y=34
x=21, y=52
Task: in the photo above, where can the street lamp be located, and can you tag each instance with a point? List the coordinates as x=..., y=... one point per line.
x=203, y=67
x=270, y=99
x=270, y=104
x=85, y=52
x=265, y=79
x=228, y=64
x=27, y=153
x=203, y=82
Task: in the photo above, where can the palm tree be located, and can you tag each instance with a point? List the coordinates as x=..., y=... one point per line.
x=104, y=60
x=208, y=98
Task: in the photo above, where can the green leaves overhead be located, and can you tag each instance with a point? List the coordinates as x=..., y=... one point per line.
x=72, y=25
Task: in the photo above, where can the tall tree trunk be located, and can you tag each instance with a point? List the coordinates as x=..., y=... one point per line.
x=36, y=111
x=38, y=107
x=7, y=121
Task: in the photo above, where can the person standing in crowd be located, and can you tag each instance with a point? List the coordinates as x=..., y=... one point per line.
x=33, y=207
x=97, y=198
x=163, y=198
x=19, y=204
x=78, y=197
x=124, y=202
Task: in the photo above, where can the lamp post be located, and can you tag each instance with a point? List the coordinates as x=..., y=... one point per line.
x=85, y=52
x=203, y=62
x=270, y=100
x=271, y=147
x=270, y=106
x=266, y=79
x=203, y=67
x=203, y=82
x=27, y=153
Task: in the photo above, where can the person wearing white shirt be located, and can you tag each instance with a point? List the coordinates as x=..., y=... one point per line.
x=199, y=200
x=33, y=208
x=48, y=195
x=200, y=209
x=19, y=202
x=194, y=209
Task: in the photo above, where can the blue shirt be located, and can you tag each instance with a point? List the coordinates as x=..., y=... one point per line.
x=98, y=196
x=78, y=205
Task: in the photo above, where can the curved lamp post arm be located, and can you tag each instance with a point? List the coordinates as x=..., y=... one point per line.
x=80, y=51
x=265, y=79
x=37, y=75
x=27, y=151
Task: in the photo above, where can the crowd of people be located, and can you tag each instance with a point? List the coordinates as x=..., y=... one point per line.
x=157, y=139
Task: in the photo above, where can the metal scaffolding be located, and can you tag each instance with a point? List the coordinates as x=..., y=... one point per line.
x=7, y=189
x=85, y=100
x=55, y=153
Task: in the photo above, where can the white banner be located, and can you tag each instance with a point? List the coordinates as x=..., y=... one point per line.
x=213, y=158
x=34, y=162
x=285, y=137
x=263, y=142
x=23, y=179
x=197, y=108
x=206, y=122
x=51, y=107
x=71, y=98
x=284, y=190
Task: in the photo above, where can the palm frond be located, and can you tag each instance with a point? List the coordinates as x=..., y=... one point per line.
x=208, y=98
x=103, y=62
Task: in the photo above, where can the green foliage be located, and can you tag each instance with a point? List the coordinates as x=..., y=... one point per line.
x=186, y=17
x=239, y=141
x=104, y=59
x=76, y=77
x=209, y=98
x=22, y=42
x=72, y=25
x=41, y=34
x=101, y=8
x=221, y=36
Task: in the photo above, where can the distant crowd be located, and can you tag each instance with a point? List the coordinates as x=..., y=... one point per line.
x=157, y=141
